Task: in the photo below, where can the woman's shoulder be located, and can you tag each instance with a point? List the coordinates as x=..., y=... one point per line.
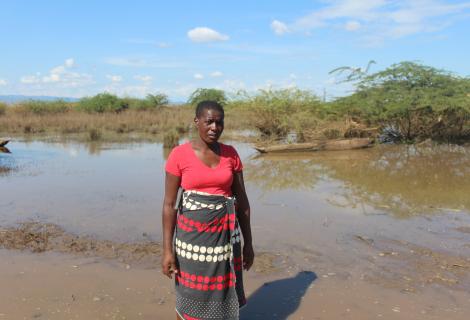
x=227, y=147
x=229, y=150
x=182, y=147
x=180, y=150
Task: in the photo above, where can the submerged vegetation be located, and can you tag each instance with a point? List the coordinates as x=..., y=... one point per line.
x=406, y=102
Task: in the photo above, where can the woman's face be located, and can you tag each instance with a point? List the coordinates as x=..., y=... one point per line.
x=210, y=125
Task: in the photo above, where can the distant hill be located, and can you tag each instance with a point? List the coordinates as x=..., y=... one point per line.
x=18, y=98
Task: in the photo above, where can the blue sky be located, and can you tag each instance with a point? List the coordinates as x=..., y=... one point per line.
x=132, y=48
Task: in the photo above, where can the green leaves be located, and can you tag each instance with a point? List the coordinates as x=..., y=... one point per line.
x=202, y=94
x=412, y=97
x=103, y=102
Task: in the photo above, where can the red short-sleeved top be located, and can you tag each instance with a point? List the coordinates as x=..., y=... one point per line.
x=195, y=175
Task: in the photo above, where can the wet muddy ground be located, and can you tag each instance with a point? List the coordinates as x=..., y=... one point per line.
x=366, y=234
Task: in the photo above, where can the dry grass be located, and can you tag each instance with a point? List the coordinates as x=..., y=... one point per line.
x=167, y=123
x=109, y=124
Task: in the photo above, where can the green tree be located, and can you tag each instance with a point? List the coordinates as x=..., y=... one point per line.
x=3, y=108
x=155, y=101
x=202, y=94
x=102, y=102
x=277, y=112
x=418, y=100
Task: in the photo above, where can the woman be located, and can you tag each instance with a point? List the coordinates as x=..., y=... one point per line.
x=201, y=244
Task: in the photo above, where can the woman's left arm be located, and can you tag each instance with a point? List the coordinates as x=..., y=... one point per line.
x=238, y=189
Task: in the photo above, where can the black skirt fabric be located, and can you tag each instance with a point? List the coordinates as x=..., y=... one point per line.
x=209, y=257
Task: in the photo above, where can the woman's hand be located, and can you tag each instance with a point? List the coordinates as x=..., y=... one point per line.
x=169, y=264
x=248, y=256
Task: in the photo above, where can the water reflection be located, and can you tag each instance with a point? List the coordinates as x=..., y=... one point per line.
x=4, y=150
x=279, y=172
x=6, y=163
x=403, y=180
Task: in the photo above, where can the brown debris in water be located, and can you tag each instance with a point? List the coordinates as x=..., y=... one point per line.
x=39, y=237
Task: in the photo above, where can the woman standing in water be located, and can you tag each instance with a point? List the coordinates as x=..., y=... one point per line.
x=202, y=239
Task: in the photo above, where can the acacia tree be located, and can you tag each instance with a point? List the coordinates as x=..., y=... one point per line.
x=202, y=94
x=418, y=100
x=353, y=73
x=156, y=101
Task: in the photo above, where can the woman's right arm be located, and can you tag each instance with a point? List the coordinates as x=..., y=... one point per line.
x=172, y=184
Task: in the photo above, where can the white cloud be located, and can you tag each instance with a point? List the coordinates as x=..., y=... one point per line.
x=30, y=79
x=216, y=74
x=279, y=27
x=3, y=82
x=132, y=91
x=204, y=34
x=143, y=78
x=114, y=78
x=70, y=63
x=352, y=26
x=52, y=77
x=198, y=76
x=57, y=70
x=163, y=45
x=380, y=19
x=60, y=76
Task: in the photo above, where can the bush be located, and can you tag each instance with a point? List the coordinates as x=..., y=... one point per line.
x=171, y=139
x=151, y=102
x=132, y=103
x=156, y=101
x=42, y=107
x=3, y=108
x=94, y=134
x=103, y=102
x=202, y=94
x=417, y=100
x=277, y=112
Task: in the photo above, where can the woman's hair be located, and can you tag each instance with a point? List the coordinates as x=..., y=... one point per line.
x=208, y=105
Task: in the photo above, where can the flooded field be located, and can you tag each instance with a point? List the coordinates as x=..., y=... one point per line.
x=365, y=234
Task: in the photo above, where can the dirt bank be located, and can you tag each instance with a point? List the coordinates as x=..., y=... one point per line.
x=40, y=237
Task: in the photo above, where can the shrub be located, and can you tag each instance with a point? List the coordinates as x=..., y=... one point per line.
x=151, y=102
x=3, y=108
x=132, y=103
x=94, y=134
x=276, y=112
x=103, y=102
x=155, y=101
x=418, y=101
x=42, y=107
x=171, y=139
x=202, y=94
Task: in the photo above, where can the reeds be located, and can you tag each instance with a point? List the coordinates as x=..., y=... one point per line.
x=3, y=108
x=171, y=139
x=152, y=122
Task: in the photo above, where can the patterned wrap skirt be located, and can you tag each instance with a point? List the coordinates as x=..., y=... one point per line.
x=209, y=257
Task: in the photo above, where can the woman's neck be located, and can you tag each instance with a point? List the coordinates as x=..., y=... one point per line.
x=204, y=146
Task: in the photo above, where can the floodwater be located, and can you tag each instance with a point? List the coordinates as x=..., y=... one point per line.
x=365, y=234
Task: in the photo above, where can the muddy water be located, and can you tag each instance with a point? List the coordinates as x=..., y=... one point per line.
x=385, y=231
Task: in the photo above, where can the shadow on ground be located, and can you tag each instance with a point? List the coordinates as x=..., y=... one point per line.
x=277, y=299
